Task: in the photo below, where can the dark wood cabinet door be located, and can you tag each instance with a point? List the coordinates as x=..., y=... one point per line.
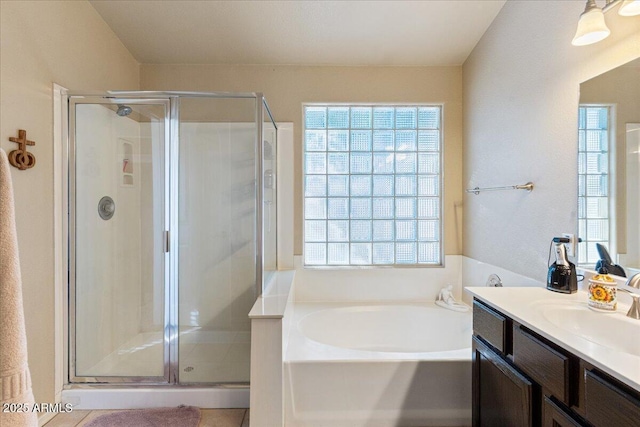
x=608, y=404
x=556, y=416
x=501, y=395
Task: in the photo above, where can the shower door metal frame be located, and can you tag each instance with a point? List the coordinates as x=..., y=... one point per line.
x=168, y=328
x=170, y=163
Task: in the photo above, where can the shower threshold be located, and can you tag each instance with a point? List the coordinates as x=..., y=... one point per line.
x=206, y=383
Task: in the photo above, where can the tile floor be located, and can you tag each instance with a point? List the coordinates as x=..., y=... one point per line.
x=209, y=418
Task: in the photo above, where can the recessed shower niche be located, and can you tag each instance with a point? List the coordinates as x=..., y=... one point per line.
x=159, y=294
x=127, y=162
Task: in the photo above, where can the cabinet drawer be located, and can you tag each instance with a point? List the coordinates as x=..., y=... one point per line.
x=607, y=404
x=547, y=366
x=490, y=325
x=556, y=416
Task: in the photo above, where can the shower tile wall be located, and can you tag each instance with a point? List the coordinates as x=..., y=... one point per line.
x=152, y=201
x=217, y=250
x=108, y=252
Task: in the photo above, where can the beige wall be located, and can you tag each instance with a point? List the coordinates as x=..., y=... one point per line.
x=621, y=87
x=521, y=86
x=42, y=43
x=287, y=87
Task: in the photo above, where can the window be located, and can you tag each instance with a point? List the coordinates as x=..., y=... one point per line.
x=594, y=210
x=372, y=185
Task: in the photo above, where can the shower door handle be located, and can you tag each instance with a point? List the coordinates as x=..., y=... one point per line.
x=165, y=242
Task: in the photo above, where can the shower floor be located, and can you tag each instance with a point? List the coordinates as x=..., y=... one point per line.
x=205, y=357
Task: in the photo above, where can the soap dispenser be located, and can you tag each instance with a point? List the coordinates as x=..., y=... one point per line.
x=603, y=291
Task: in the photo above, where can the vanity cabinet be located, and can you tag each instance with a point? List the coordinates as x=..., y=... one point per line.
x=523, y=379
x=556, y=416
x=609, y=404
x=501, y=394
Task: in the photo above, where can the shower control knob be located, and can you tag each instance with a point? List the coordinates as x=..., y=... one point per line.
x=106, y=208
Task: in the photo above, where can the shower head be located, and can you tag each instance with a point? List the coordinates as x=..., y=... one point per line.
x=123, y=110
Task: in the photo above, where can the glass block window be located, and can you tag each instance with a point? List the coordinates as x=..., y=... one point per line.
x=594, y=225
x=372, y=185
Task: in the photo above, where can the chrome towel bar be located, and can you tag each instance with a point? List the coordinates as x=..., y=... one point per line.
x=528, y=186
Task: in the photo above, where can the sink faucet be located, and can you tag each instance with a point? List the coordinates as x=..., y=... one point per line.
x=633, y=282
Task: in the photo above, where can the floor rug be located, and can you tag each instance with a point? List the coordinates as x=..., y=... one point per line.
x=181, y=416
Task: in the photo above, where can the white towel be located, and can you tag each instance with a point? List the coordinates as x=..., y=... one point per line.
x=15, y=379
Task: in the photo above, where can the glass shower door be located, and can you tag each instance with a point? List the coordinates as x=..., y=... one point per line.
x=217, y=237
x=117, y=228
x=269, y=195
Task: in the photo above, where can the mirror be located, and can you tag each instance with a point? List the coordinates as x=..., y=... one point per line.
x=609, y=168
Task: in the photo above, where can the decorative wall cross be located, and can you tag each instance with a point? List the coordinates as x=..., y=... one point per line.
x=21, y=158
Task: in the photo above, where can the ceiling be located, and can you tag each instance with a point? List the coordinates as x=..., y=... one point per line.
x=310, y=32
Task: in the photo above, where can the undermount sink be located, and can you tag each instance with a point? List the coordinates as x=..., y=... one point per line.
x=611, y=330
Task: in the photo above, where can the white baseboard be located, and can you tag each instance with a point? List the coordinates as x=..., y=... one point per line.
x=148, y=397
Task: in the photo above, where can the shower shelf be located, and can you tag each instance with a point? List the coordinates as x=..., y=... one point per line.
x=126, y=156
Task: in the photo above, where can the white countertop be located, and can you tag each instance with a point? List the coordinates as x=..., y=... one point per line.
x=523, y=305
x=272, y=303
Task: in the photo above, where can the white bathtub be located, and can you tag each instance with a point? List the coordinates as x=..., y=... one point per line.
x=377, y=366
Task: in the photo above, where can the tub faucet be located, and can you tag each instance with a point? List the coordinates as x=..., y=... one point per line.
x=633, y=282
x=494, y=281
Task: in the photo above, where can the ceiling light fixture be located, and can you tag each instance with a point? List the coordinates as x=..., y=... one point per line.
x=629, y=8
x=591, y=26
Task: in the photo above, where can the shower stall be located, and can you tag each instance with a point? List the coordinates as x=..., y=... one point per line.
x=172, y=235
